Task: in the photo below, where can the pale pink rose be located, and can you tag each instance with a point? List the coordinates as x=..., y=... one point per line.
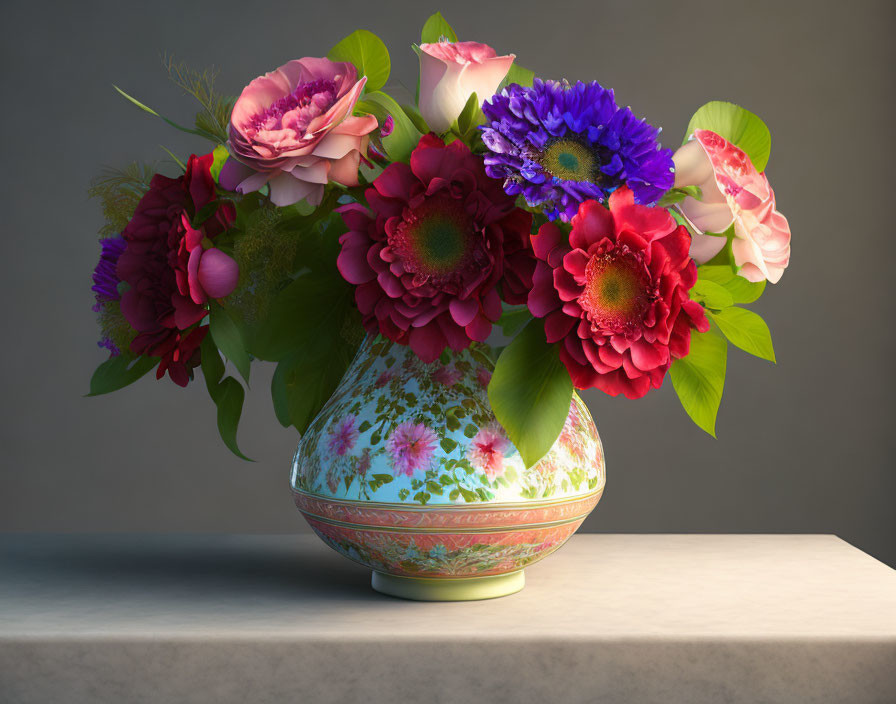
x=451, y=72
x=733, y=192
x=293, y=129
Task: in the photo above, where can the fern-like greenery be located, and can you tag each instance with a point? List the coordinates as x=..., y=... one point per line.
x=119, y=191
x=214, y=117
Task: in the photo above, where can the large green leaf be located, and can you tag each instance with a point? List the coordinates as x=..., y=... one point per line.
x=747, y=330
x=435, y=28
x=230, y=398
x=119, y=371
x=369, y=55
x=312, y=305
x=741, y=290
x=305, y=380
x=530, y=392
x=699, y=378
x=739, y=126
x=711, y=294
x=405, y=135
x=229, y=339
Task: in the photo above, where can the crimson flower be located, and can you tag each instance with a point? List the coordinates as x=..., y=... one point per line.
x=615, y=294
x=168, y=270
x=441, y=240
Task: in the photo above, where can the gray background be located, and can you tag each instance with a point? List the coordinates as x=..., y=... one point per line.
x=804, y=446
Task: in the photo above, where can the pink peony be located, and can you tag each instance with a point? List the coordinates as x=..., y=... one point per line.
x=733, y=192
x=451, y=72
x=441, y=240
x=411, y=446
x=487, y=451
x=293, y=129
x=343, y=436
x=614, y=294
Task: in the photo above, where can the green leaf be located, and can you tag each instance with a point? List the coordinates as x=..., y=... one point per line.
x=745, y=329
x=188, y=130
x=405, y=135
x=230, y=408
x=448, y=444
x=530, y=392
x=700, y=377
x=711, y=294
x=470, y=117
x=519, y=75
x=219, y=156
x=174, y=158
x=229, y=339
x=741, y=290
x=739, y=126
x=416, y=118
x=119, y=371
x=312, y=350
x=383, y=478
x=212, y=365
x=676, y=195
x=369, y=55
x=513, y=319
x=435, y=28
x=296, y=318
x=305, y=381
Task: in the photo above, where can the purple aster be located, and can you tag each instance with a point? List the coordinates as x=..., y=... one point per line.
x=559, y=144
x=105, y=275
x=106, y=281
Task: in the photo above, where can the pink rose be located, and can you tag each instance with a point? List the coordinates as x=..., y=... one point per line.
x=293, y=129
x=451, y=72
x=733, y=192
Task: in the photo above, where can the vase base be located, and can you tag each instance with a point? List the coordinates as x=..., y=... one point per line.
x=451, y=589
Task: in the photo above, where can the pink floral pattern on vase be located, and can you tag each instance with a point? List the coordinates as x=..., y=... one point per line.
x=407, y=471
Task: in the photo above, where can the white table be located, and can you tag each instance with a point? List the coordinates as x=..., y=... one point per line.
x=609, y=618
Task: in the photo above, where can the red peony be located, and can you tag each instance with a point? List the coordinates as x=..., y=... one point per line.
x=162, y=301
x=616, y=294
x=442, y=239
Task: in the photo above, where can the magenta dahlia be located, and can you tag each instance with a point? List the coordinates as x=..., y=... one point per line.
x=615, y=294
x=168, y=270
x=441, y=247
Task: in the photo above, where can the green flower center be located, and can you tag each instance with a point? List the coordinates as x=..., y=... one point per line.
x=570, y=160
x=437, y=240
x=440, y=243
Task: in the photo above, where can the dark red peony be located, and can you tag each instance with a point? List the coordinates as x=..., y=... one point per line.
x=442, y=246
x=167, y=269
x=615, y=295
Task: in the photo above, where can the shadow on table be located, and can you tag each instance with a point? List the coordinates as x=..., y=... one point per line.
x=260, y=566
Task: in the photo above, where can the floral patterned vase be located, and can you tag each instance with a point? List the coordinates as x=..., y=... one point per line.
x=406, y=471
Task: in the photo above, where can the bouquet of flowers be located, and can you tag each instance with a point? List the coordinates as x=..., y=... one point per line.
x=326, y=210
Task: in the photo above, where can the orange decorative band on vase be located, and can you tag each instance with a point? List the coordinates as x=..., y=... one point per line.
x=407, y=471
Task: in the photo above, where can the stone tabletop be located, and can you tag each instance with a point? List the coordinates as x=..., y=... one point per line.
x=609, y=618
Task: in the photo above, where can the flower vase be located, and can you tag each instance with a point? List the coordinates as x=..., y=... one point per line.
x=406, y=471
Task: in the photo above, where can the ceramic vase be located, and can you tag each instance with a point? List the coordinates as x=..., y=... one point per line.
x=406, y=471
